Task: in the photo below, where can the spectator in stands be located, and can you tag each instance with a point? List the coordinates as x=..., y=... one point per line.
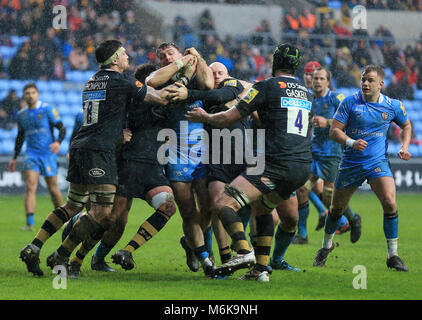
x=291, y=21
x=78, y=59
x=206, y=25
x=375, y=53
x=400, y=90
x=384, y=34
x=262, y=36
x=324, y=31
x=20, y=65
x=180, y=29
x=361, y=54
x=225, y=59
x=59, y=72
x=43, y=69
x=307, y=20
x=342, y=31
x=208, y=48
x=391, y=56
x=8, y=109
x=2, y=69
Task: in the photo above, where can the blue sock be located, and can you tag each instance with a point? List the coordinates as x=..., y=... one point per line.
x=342, y=222
x=103, y=250
x=283, y=240
x=303, y=219
x=316, y=201
x=208, y=241
x=391, y=226
x=30, y=219
x=201, y=253
x=245, y=215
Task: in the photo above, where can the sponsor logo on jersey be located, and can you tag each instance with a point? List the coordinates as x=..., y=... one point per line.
x=293, y=102
x=56, y=114
x=139, y=84
x=282, y=84
x=340, y=97
x=402, y=108
x=250, y=95
x=230, y=83
x=96, y=172
x=94, y=95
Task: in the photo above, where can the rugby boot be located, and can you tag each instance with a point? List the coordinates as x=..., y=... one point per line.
x=99, y=264
x=191, y=260
x=322, y=256
x=395, y=262
x=298, y=239
x=30, y=255
x=124, y=259
x=355, y=228
x=55, y=259
x=282, y=265
x=240, y=261
x=73, y=270
x=256, y=275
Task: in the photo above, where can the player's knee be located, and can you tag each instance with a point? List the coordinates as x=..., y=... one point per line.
x=31, y=185
x=336, y=212
x=164, y=201
x=389, y=203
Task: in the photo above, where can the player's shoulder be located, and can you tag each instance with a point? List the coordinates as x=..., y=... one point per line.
x=336, y=97
x=393, y=103
x=231, y=82
x=22, y=111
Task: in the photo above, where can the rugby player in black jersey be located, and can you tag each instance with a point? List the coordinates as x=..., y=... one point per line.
x=92, y=167
x=284, y=107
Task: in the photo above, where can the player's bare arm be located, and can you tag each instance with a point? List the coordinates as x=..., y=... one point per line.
x=156, y=96
x=221, y=119
x=405, y=136
x=337, y=134
x=203, y=72
x=164, y=74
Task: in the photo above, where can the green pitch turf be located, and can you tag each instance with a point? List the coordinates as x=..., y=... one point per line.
x=161, y=273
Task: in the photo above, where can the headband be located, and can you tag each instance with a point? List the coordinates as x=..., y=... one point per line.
x=113, y=57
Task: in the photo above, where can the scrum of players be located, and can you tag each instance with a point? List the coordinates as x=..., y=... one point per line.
x=315, y=140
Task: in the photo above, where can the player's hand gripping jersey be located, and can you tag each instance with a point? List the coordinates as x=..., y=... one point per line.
x=284, y=107
x=326, y=106
x=105, y=98
x=370, y=122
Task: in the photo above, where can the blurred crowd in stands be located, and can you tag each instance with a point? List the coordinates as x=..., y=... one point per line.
x=49, y=53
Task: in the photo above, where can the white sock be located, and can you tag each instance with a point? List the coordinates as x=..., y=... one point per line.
x=327, y=240
x=392, y=245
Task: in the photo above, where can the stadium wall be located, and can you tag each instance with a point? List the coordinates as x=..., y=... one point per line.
x=408, y=176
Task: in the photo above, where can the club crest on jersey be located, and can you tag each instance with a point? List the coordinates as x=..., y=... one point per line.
x=282, y=84
x=39, y=116
x=325, y=106
x=268, y=183
x=384, y=115
x=377, y=169
x=96, y=172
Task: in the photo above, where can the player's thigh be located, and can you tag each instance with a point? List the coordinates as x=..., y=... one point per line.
x=385, y=190
x=121, y=208
x=31, y=178
x=101, y=197
x=239, y=193
x=341, y=199
x=185, y=199
x=215, y=189
x=80, y=192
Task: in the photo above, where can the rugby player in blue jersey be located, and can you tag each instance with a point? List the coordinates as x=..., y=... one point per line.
x=36, y=125
x=188, y=177
x=360, y=125
x=326, y=154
